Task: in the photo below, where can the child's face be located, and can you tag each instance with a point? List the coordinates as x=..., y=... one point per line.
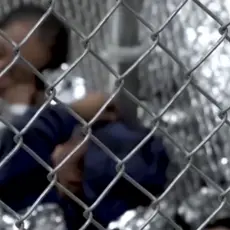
x=33, y=50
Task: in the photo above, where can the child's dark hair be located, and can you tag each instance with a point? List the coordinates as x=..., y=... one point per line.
x=51, y=31
x=224, y=223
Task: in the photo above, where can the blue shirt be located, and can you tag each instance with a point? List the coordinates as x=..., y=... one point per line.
x=54, y=126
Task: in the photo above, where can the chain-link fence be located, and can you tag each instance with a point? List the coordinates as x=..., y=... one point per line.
x=182, y=95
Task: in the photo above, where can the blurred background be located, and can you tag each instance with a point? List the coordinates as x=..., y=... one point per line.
x=189, y=120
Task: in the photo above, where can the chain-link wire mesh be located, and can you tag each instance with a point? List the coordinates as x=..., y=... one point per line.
x=183, y=96
x=85, y=16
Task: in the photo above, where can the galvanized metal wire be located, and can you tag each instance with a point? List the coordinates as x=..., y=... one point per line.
x=190, y=83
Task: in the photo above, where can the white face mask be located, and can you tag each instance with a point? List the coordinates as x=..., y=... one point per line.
x=10, y=111
x=18, y=109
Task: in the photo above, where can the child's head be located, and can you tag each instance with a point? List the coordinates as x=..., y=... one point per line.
x=47, y=47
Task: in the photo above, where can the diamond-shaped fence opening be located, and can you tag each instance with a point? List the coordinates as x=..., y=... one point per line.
x=173, y=58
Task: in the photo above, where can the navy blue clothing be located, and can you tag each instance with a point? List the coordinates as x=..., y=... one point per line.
x=54, y=126
x=147, y=166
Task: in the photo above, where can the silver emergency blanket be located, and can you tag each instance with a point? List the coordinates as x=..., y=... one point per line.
x=45, y=217
x=192, y=116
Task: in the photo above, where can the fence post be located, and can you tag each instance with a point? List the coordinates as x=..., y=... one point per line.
x=125, y=38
